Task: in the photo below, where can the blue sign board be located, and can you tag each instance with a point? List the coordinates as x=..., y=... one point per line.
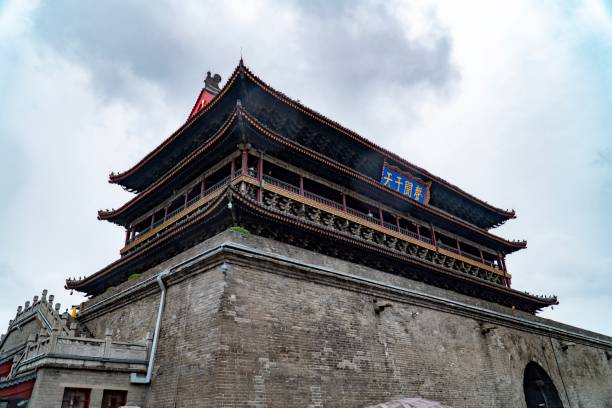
x=415, y=190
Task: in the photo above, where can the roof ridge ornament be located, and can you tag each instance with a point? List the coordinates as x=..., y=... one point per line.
x=211, y=83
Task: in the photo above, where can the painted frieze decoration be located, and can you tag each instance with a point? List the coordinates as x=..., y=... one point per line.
x=405, y=184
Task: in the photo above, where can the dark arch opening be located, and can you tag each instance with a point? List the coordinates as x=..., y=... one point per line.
x=540, y=392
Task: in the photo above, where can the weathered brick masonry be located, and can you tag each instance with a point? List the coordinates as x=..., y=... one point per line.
x=257, y=323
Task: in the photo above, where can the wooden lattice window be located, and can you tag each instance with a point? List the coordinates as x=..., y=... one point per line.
x=76, y=398
x=114, y=398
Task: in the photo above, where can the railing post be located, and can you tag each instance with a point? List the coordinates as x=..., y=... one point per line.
x=53, y=339
x=29, y=346
x=108, y=338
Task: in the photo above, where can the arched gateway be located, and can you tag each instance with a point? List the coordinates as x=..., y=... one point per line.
x=540, y=391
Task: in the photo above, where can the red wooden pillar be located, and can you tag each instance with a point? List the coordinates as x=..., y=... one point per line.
x=397, y=222
x=481, y=255
x=202, y=185
x=380, y=216
x=244, y=161
x=458, y=246
x=418, y=231
x=152, y=219
x=232, y=169
x=433, y=235
x=127, y=235
x=133, y=233
x=301, y=185
x=260, y=173
x=500, y=261
x=343, y=202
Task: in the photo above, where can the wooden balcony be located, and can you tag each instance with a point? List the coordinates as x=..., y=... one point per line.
x=295, y=193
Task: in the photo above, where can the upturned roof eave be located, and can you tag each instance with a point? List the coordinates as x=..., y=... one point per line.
x=242, y=69
x=112, y=215
x=239, y=200
x=90, y=281
x=509, y=214
x=119, y=178
x=256, y=125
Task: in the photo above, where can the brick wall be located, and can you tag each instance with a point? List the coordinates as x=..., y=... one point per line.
x=264, y=333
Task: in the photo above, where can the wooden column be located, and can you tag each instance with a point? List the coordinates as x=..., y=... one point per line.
x=433, y=235
x=244, y=161
x=380, y=216
x=260, y=174
x=185, y=205
x=301, y=185
x=343, y=202
x=127, y=235
x=458, y=246
x=481, y=255
x=165, y=212
x=202, y=185
x=152, y=219
x=500, y=262
x=397, y=223
x=418, y=231
x=233, y=169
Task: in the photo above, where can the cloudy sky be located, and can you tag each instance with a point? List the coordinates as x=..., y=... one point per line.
x=509, y=100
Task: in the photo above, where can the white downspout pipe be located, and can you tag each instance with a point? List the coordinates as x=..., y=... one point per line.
x=135, y=378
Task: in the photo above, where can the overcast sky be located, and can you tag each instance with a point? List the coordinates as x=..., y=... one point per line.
x=509, y=100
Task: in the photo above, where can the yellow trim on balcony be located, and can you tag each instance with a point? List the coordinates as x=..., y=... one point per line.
x=379, y=228
x=313, y=203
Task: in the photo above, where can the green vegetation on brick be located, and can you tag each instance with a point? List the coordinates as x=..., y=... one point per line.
x=240, y=230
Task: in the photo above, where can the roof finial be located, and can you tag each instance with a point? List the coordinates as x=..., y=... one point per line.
x=211, y=83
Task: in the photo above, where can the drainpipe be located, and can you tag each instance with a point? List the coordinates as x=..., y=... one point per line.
x=135, y=378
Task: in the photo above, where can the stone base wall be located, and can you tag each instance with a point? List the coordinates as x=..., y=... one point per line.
x=256, y=324
x=51, y=383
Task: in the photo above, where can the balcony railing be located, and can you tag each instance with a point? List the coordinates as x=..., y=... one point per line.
x=189, y=203
x=322, y=200
x=76, y=350
x=371, y=218
x=282, y=184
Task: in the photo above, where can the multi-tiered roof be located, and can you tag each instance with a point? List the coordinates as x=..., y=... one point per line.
x=292, y=174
